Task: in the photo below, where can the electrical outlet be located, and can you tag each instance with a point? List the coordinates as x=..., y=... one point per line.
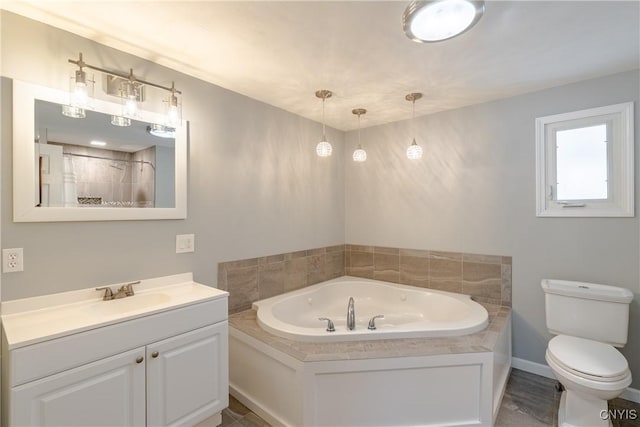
x=12, y=260
x=185, y=243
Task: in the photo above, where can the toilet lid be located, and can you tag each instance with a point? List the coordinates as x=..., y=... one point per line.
x=582, y=356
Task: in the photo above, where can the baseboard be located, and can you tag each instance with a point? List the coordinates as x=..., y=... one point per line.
x=543, y=370
x=532, y=367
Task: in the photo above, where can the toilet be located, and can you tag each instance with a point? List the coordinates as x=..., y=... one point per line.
x=589, y=321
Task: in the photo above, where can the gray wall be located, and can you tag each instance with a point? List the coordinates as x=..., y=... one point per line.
x=256, y=186
x=474, y=191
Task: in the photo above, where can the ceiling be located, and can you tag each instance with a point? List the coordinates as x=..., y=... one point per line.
x=282, y=52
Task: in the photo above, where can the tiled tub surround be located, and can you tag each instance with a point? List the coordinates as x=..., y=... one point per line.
x=487, y=278
x=253, y=279
x=422, y=381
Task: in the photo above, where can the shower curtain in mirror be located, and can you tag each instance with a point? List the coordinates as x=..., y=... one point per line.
x=70, y=187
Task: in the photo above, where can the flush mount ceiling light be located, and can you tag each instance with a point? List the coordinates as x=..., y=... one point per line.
x=323, y=149
x=414, y=151
x=359, y=155
x=161, y=131
x=126, y=86
x=437, y=20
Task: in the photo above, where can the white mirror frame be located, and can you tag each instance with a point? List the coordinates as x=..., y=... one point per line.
x=24, y=173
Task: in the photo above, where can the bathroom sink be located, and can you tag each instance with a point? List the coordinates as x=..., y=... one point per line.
x=42, y=318
x=128, y=304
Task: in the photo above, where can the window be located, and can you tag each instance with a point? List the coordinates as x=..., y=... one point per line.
x=584, y=162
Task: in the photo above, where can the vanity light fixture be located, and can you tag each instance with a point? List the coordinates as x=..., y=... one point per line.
x=323, y=149
x=126, y=86
x=414, y=151
x=161, y=131
x=98, y=143
x=437, y=20
x=359, y=155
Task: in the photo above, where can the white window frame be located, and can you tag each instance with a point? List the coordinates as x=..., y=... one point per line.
x=620, y=201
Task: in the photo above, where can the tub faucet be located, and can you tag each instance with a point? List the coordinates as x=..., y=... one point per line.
x=351, y=315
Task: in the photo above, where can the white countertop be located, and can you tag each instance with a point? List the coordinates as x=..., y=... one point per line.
x=31, y=320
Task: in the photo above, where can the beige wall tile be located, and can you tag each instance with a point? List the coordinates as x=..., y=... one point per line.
x=336, y=248
x=315, y=269
x=506, y=284
x=242, y=284
x=489, y=259
x=271, y=259
x=385, y=250
x=294, y=255
x=482, y=280
x=361, y=259
x=334, y=264
x=270, y=279
x=361, y=248
x=421, y=253
x=414, y=266
x=315, y=251
x=445, y=285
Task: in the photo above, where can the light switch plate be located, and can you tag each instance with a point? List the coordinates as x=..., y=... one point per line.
x=185, y=243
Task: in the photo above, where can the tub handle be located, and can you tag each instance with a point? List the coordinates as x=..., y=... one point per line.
x=372, y=322
x=330, y=327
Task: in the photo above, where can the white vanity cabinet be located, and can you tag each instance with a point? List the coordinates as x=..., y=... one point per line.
x=187, y=377
x=164, y=368
x=109, y=392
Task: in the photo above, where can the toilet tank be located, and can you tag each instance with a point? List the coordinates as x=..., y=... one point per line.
x=587, y=310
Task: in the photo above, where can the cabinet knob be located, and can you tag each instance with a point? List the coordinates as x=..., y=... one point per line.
x=139, y=359
x=154, y=354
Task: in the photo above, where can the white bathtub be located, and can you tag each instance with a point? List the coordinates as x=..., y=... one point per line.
x=409, y=312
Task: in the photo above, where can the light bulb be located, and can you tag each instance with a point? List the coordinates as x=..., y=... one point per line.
x=131, y=106
x=81, y=89
x=173, y=115
x=414, y=151
x=359, y=155
x=323, y=149
x=80, y=96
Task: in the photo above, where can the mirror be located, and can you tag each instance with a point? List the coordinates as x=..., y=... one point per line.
x=86, y=169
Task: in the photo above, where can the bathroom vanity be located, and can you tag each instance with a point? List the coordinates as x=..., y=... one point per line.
x=159, y=357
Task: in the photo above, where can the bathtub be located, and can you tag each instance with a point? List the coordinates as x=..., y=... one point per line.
x=409, y=312
x=406, y=372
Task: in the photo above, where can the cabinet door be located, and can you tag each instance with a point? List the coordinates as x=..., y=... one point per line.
x=109, y=392
x=188, y=376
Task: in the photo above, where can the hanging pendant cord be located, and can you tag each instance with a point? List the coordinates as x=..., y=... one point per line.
x=413, y=118
x=359, y=145
x=324, y=136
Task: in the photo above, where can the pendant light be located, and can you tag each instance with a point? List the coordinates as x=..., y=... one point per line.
x=414, y=152
x=323, y=149
x=359, y=155
x=437, y=20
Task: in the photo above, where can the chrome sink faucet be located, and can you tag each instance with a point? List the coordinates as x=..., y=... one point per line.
x=351, y=315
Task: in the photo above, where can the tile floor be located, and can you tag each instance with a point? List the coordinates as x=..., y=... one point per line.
x=529, y=401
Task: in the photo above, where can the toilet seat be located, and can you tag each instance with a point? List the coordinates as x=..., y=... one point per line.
x=588, y=359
